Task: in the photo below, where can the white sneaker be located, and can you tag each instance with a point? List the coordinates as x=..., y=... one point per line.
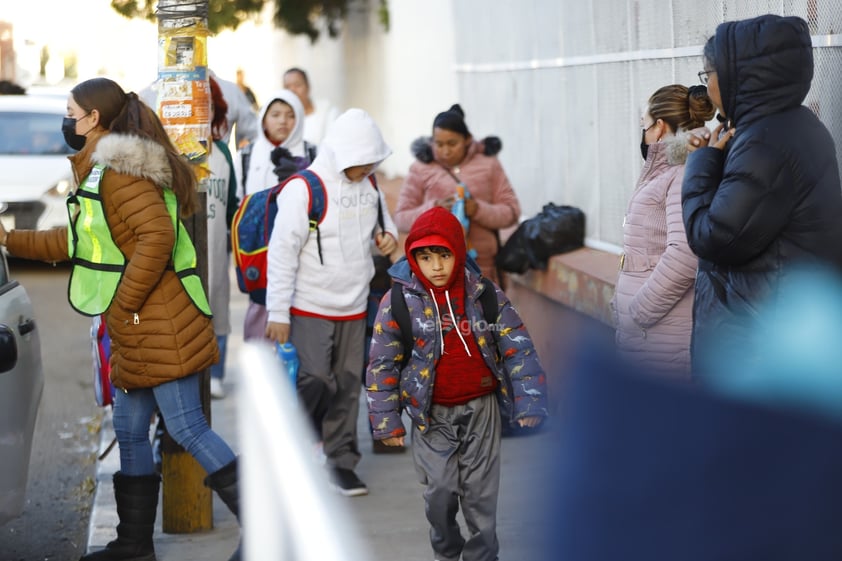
x=216, y=389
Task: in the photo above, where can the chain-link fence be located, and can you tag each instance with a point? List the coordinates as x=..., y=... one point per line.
x=563, y=83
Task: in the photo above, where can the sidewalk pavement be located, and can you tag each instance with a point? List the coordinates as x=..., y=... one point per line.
x=390, y=518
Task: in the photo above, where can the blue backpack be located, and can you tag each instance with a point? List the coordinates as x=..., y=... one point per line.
x=252, y=226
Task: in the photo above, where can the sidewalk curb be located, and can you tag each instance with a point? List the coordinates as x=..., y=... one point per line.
x=104, y=519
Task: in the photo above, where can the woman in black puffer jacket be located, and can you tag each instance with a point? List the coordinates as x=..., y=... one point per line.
x=764, y=199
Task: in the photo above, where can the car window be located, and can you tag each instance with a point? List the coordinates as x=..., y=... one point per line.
x=31, y=133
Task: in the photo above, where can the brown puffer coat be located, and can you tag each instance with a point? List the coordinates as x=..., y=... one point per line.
x=172, y=338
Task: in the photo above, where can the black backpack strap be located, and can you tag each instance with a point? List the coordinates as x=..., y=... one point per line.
x=245, y=158
x=488, y=299
x=318, y=205
x=380, y=220
x=400, y=313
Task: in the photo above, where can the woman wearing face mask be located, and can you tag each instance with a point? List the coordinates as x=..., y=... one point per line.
x=132, y=189
x=490, y=203
x=654, y=292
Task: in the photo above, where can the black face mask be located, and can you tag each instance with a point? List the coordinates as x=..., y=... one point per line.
x=644, y=148
x=68, y=129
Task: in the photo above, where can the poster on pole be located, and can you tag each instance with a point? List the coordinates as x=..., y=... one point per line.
x=183, y=91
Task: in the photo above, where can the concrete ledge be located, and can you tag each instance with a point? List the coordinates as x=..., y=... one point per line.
x=563, y=302
x=582, y=280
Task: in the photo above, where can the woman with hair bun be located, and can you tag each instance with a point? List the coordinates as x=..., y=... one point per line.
x=133, y=262
x=450, y=158
x=654, y=294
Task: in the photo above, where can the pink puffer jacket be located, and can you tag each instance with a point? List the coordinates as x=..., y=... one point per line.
x=498, y=206
x=653, y=302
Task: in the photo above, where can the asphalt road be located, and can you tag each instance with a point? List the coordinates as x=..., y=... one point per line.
x=54, y=524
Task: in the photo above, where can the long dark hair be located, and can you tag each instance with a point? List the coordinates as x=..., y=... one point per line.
x=125, y=113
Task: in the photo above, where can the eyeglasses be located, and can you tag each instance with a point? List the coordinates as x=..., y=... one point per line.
x=704, y=77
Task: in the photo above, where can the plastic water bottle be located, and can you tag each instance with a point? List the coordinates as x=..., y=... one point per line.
x=289, y=356
x=458, y=208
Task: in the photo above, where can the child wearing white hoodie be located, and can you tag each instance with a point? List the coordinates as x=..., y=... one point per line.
x=281, y=125
x=318, y=283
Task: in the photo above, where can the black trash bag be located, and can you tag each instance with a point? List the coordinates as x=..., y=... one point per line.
x=556, y=229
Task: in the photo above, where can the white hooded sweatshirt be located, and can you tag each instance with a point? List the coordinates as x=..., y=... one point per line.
x=261, y=172
x=298, y=283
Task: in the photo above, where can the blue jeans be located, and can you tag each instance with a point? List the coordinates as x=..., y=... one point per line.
x=218, y=370
x=181, y=408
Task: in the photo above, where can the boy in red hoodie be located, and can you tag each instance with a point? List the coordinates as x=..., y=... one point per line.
x=461, y=373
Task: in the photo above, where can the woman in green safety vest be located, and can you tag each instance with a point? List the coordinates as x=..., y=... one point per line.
x=134, y=262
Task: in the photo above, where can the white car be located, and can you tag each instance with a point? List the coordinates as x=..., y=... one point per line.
x=36, y=175
x=21, y=385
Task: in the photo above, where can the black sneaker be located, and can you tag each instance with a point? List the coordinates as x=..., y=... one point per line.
x=346, y=482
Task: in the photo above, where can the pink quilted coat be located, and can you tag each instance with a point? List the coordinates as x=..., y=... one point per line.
x=653, y=301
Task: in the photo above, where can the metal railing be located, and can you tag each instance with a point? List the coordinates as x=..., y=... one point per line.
x=288, y=511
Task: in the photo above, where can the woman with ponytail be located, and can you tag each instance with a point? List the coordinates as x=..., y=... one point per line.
x=654, y=294
x=133, y=262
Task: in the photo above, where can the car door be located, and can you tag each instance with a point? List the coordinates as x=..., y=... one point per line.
x=21, y=385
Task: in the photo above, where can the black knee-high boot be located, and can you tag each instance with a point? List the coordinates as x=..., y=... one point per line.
x=225, y=482
x=137, y=506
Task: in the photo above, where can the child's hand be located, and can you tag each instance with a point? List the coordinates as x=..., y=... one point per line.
x=530, y=422
x=393, y=441
x=385, y=243
x=278, y=332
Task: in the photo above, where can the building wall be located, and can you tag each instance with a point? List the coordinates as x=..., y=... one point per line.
x=564, y=83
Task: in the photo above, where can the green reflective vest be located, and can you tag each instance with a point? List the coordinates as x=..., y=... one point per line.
x=98, y=264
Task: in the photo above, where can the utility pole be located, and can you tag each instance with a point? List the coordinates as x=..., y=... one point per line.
x=184, y=108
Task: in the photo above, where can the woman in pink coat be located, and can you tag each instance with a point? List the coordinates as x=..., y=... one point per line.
x=433, y=180
x=653, y=302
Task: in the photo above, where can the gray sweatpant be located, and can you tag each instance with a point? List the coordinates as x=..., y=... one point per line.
x=331, y=357
x=458, y=459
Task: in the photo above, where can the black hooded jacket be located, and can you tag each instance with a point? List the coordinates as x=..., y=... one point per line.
x=771, y=201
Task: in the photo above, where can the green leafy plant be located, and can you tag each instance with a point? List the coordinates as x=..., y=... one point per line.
x=297, y=17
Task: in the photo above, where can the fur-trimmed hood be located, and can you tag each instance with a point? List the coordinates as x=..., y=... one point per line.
x=422, y=147
x=674, y=148
x=134, y=155
x=677, y=146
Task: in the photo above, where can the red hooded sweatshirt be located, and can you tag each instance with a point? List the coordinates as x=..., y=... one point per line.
x=461, y=372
